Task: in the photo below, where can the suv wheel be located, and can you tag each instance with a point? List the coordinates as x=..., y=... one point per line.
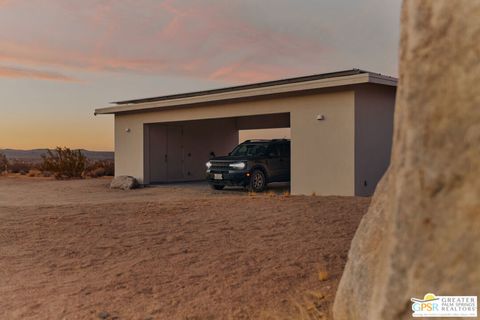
x=217, y=186
x=258, y=182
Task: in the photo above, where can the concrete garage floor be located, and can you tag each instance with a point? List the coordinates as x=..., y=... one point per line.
x=78, y=250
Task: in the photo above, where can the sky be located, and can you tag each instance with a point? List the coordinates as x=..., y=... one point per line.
x=61, y=59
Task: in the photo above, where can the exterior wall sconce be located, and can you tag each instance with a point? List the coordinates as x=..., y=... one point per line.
x=127, y=130
x=320, y=117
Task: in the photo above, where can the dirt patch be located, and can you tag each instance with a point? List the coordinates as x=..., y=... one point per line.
x=77, y=250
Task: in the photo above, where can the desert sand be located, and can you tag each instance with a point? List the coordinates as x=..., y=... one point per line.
x=78, y=250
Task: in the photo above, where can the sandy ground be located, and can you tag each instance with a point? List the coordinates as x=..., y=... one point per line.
x=77, y=250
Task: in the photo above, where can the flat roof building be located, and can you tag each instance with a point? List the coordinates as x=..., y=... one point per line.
x=341, y=127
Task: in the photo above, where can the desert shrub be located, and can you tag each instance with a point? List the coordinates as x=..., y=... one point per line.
x=46, y=174
x=100, y=168
x=21, y=166
x=64, y=163
x=109, y=166
x=98, y=172
x=3, y=163
x=34, y=173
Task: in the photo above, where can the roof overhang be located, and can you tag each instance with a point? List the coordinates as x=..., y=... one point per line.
x=250, y=91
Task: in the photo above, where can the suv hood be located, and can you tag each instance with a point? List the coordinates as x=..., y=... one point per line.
x=231, y=158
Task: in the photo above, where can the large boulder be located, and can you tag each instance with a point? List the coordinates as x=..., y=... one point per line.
x=124, y=183
x=422, y=231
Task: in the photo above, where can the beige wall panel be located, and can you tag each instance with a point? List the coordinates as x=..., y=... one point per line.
x=323, y=150
x=129, y=147
x=277, y=133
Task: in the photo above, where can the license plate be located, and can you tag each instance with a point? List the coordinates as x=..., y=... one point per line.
x=217, y=176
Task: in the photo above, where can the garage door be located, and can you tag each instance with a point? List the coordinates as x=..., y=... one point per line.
x=166, y=153
x=174, y=154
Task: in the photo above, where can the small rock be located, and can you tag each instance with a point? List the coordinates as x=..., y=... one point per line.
x=124, y=183
x=103, y=315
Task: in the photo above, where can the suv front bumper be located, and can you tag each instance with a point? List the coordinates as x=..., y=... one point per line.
x=229, y=178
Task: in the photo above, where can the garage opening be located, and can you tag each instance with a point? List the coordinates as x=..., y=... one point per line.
x=178, y=151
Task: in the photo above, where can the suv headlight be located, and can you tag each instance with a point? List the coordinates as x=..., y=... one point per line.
x=208, y=164
x=237, y=165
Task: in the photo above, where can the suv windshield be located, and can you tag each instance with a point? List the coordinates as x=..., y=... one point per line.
x=249, y=150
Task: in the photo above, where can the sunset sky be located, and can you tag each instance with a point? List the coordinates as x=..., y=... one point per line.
x=60, y=59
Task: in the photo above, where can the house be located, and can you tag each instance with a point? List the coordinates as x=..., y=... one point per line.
x=341, y=130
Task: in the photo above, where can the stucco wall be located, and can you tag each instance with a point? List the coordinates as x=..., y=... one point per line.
x=129, y=146
x=322, y=151
x=374, y=107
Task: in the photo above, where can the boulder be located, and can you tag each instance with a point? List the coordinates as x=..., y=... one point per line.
x=422, y=231
x=124, y=183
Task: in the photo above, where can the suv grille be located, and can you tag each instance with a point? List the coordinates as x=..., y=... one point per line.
x=220, y=166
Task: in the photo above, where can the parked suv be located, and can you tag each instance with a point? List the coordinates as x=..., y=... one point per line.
x=252, y=164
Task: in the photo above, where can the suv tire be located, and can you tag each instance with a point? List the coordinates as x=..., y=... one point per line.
x=258, y=181
x=217, y=186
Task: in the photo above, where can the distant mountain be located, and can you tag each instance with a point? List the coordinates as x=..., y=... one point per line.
x=36, y=154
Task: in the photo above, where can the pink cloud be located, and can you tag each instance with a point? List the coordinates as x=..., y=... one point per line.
x=67, y=59
x=10, y=72
x=249, y=72
x=198, y=39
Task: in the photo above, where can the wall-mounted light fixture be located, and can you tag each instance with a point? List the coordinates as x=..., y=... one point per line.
x=127, y=130
x=320, y=117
